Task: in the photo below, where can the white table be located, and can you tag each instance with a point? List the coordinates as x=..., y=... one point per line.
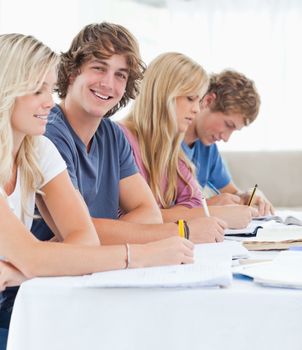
x=52, y=315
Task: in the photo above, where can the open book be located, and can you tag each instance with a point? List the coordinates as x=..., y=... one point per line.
x=283, y=271
x=275, y=238
x=285, y=217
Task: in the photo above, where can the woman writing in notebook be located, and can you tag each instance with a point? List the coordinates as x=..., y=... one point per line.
x=31, y=164
x=171, y=92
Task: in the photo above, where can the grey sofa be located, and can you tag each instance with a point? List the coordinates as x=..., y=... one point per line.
x=277, y=173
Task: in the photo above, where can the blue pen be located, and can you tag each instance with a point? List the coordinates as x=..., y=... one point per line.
x=212, y=187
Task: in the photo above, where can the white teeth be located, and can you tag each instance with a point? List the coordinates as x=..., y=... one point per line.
x=101, y=96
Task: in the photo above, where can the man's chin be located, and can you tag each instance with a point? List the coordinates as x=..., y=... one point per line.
x=207, y=142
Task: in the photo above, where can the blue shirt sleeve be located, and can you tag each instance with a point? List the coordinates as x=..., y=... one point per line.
x=219, y=175
x=210, y=167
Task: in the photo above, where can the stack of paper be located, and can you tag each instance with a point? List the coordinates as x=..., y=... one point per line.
x=277, y=237
x=283, y=271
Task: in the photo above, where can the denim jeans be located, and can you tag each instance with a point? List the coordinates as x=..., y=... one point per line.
x=4, y=325
x=3, y=338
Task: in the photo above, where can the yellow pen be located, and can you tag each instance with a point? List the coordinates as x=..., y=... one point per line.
x=252, y=195
x=181, y=228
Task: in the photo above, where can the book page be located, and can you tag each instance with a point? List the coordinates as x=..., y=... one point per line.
x=233, y=248
x=278, y=234
x=287, y=217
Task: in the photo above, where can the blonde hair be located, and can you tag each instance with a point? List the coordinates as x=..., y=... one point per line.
x=24, y=62
x=153, y=119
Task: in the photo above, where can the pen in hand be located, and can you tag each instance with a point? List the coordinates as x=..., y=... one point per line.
x=205, y=206
x=252, y=195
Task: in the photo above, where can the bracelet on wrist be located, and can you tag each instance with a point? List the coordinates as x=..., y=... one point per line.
x=187, y=230
x=128, y=256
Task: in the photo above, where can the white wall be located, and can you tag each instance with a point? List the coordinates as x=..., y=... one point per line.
x=261, y=38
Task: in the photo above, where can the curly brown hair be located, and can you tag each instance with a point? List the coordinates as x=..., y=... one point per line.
x=102, y=40
x=235, y=93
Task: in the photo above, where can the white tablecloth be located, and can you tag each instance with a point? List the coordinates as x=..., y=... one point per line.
x=52, y=314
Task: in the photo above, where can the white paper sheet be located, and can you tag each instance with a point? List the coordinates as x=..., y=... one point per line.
x=212, y=267
x=285, y=270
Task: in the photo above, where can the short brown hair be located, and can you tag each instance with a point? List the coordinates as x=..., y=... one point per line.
x=235, y=93
x=102, y=40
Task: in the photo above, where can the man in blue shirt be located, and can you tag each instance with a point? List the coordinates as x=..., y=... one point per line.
x=230, y=103
x=97, y=76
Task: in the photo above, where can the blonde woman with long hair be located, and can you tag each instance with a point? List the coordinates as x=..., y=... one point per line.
x=171, y=92
x=30, y=164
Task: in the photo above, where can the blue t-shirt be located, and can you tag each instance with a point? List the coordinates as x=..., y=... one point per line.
x=210, y=167
x=95, y=174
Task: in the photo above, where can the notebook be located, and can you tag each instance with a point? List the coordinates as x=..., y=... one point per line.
x=249, y=231
x=275, y=238
x=283, y=271
x=212, y=268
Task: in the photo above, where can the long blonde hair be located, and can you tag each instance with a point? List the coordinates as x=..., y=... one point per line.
x=153, y=119
x=24, y=63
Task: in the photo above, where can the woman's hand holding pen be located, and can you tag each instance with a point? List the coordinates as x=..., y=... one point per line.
x=207, y=230
x=170, y=251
